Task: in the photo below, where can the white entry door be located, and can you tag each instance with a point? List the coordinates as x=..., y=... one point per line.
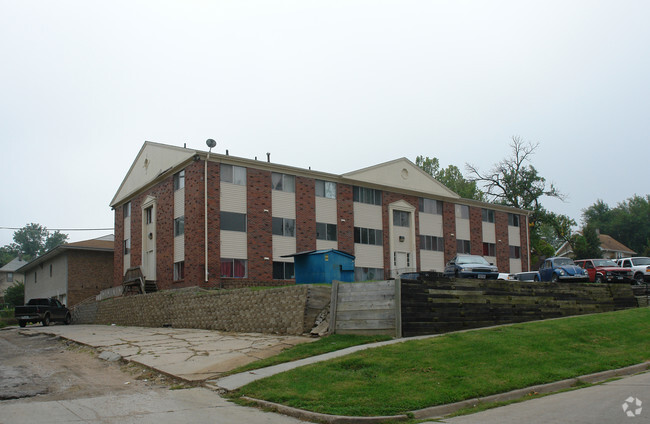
x=149, y=243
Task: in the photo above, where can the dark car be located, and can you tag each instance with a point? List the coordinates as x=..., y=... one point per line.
x=471, y=266
x=605, y=270
x=562, y=269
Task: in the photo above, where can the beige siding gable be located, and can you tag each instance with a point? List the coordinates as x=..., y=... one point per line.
x=402, y=174
x=153, y=160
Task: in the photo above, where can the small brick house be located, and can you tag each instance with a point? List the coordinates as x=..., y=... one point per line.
x=71, y=272
x=196, y=218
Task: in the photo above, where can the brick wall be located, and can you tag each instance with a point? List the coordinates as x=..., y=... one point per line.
x=449, y=229
x=345, y=213
x=89, y=272
x=285, y=310
x=523, y=236
x=260, y=239
x=305, y=214
x=476, y=230
x=503, y=248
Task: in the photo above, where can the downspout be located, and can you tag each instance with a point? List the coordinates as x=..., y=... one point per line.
x=205, y=212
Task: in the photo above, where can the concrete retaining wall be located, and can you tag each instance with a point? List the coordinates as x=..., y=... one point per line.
x=286, y=310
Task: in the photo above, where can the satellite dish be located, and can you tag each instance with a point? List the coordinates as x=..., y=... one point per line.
x=210, y=142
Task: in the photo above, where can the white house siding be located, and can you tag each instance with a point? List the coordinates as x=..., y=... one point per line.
x=46, y=285
x=462, y=229
x=326, y=244
x=234, y=245
x=430, y=224
x=368, y=256
x=127, y=235
x=367, y=216
x=179, y=210
x=514, y=236
x=489, y=232
x=283, y=246
x=326, y=210
x=432, y=261
x=283, y=204
x=515, y=265
x=233, y=198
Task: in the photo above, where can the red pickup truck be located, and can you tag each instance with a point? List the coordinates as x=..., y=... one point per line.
x=605, y=271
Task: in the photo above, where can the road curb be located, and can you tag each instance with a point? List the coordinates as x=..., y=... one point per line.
x=443, y=410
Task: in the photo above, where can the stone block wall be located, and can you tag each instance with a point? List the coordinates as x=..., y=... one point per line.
x=285, y=310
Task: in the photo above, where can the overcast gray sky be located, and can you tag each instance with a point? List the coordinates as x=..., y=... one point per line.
x=332, y=85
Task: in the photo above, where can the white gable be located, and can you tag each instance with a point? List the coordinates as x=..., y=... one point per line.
x=404, y=174
x=153, y=160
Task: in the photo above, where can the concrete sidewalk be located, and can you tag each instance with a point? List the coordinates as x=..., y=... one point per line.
x=188, y=354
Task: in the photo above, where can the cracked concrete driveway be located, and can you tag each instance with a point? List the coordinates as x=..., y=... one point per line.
x=188, y=354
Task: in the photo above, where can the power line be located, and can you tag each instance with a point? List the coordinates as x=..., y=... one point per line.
x=62, y=229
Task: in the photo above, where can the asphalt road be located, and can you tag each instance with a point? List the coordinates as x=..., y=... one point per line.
x=601, y=404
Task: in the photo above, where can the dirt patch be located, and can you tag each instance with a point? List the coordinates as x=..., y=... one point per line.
x=54, y=369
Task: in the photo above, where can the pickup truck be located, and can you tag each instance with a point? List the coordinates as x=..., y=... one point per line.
x=44, y=311
x=605, y=271
x=640, y=267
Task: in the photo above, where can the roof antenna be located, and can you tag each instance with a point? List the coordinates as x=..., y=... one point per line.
x=268, y=157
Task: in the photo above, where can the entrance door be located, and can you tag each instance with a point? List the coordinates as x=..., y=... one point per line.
x=149, y=243
x=401, y=262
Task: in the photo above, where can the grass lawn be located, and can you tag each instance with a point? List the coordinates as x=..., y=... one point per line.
x=421, y=373
x=327, y=344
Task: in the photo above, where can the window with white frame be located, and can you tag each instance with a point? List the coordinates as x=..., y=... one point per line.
x=488, y=215
x=326, y=189
x=234, y=268
x=179, y=180
x=233, y=174
x=513, y=220
x=368, y=236
x=366, y=195
x=515, y=252
x=430, y=206
x=233, y=221
x=401, y=218
x=283, y=182
x=126, y=209
x=283, y=227
x=179, y=271
x=463, y=246
x=434, y=243
x=368, y=274
x=325, y=231
x=489, y=249
x=463, y=211
x=127, y=246
x=179, y=226
x=283, y=270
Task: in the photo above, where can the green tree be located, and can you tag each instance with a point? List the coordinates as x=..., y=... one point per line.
x=587, y=244
x=34, y=239
x=628, y=222
x=15, y=294
x=451, y=177
x=7, y=254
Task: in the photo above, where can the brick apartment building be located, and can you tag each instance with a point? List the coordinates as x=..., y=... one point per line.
x=190, y=218
x=71, y=272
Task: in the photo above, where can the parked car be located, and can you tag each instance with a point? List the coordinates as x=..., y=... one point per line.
x=640, y=267
x=528, y=276
x=562, y=269
x=605, y=271
x=471, y=266
x=43, y=311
